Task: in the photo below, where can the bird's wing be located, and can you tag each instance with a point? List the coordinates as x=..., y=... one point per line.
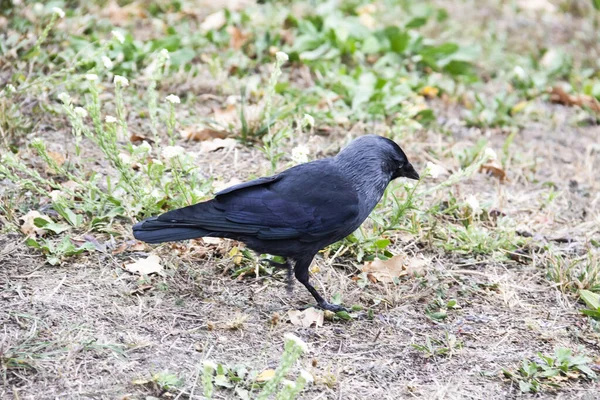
x=307, y=202
x=255, y=182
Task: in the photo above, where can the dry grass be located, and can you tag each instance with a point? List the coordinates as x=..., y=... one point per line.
x=89, y=329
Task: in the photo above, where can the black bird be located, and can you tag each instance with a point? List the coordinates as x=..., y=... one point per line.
x=295, y=213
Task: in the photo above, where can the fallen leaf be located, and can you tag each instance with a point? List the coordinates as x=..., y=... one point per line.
x=558, y=95
x=494, y=169
x=213, y=22
x=395, y=267
x=238, y=38
x=199, y=133
x=58, y=158
x=138, y=137
x=209, y=146
x=266, y=375
x=145, y=266
x=306, y=318
x=212, y=240
x=28, y=227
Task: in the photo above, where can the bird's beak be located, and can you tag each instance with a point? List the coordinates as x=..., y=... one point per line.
x=407, y=171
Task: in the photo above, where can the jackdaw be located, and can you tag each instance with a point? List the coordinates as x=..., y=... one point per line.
x=295, y=213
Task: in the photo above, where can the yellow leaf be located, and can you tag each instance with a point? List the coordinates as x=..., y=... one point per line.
x=266, y=375
x=517, y=108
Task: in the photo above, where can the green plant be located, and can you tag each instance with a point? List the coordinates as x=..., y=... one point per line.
x=443, y=347
x=534, y=376
x=592, y=300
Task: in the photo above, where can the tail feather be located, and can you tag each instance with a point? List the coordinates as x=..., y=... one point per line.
x=152, y=230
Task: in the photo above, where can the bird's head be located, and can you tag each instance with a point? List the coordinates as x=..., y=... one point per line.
x=376, y=154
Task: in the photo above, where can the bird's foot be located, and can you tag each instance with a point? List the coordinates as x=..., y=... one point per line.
x=332, y=307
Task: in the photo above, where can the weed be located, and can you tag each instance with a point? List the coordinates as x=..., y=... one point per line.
x=545, y=372
x=446, y=346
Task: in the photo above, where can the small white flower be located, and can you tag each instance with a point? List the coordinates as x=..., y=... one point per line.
x=473, y=204
x=173, y=99
x=125, y=158
x=300, y=154
x=288, y=383
x=434, y=170
x=490, y=154
x=145, y=147
x=172, y=151
x=108, y=64
x=296, y=340
x=91, y=77
x=209, y=365
x=121, y=80
x=520, y=72
x=64, y=97
x=81, y=112
x=307, y=376
x=281, y=57
x=10, y=88
x=308, y=120
x=118, y=36
x=164, y=53
x=110, y=119
x=56, y=194
x=58, y=11
x=157, y=161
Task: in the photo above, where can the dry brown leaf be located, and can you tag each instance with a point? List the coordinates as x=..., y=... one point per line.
x=145, y=266
x=213, y=22
x=238, y=38
x=58, y=158
x=494, y=169
x=28, y=227
x=395, y=267
x=266, y=375
x=138, y=137
x=558, y=95
x=209, y=146
x=306, y=318
x=200, y=133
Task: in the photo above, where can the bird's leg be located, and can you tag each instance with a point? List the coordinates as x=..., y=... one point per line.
x=288, y=266
x=301, y=272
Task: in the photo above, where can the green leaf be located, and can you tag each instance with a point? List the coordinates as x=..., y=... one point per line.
x=50, y=225
x=591, y=299
x=525, y=387
x=596, y=4
x=336, y=299
x=416, y=22
x=343, y=315
x=382, y=243
x=221, y=380
x=31, y=242
x=398, y=39
x=439, y=315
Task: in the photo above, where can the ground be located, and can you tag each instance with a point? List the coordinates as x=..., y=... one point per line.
x=88, y=328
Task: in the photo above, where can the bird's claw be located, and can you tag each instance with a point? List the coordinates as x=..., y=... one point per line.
x=332, y=307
